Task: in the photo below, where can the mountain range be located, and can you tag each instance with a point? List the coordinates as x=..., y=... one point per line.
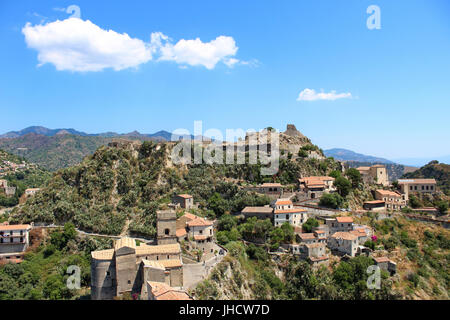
x=160, y=135
x=348, y=155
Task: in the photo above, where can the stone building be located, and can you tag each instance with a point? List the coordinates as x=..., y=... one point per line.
x=185, y=201
x=339, y=224
x=408, y=186
x=166, y=228
x=259, y=212
x=314, y=187
x=14, y=240
x=126, y=268
x=197, y=233
x=392, y=200
x=375, y=174
x=344, y=243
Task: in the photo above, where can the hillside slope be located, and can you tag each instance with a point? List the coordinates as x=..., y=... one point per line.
x=128, y=182
x=53, y=152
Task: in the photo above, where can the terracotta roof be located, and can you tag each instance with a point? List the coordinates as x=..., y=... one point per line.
x=173, y=248
x=190, y=216
x=12, y=227
x=153, y=263
x=268, y=185
x=181, y=232
x=162, y=291
x=359, y=232
x=388, y=193
x=416, y=181
x=319, y=231
x=185, y=196
x=257, y=210
x=381, y=259
x=199, y=222
x=344, y=235
x=306, y=236
x=103, y=254
x=374, y=202
x=125, y=242
x=344, y=219
x=283, y=202
x=363, y=168
x=170, y=263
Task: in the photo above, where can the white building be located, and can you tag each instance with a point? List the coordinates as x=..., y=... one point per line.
x=284, y=211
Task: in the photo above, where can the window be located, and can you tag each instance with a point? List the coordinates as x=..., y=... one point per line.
x=287, y=217
x=12, y=239
x=415, y=187
x=410, y=188
x=427, y=187
x=166, y=231
x=129, y=281
x=107, y=273
x=200, y=231
x=431, y=187
x=423, y=187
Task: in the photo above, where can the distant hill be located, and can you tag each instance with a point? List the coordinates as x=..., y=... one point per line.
x=42, y=131
x=436, y=170
x=54, y=149
x=39, y=130
x=53, y=152
x=348, y=155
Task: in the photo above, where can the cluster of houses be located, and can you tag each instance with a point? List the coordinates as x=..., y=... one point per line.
x=387, y=200
x=7, y=167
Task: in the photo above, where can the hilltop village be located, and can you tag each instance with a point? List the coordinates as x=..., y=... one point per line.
x=172, y=231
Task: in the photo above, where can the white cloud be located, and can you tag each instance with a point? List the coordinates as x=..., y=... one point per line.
x=80, y=45
x=312, y=95
x=77, y=45
x=195, y=52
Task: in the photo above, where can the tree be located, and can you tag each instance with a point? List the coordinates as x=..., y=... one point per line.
x=335, y=174
x=442, y=206
x=288, y=231
x=218, y=204
x=343, y=186
x=309, y=224
x=354, y=176
x=331, y=200
x=227, y=222
x=414, y=202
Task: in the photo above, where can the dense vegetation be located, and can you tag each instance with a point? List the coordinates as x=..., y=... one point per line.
x=43, y=273
x=31, y=177
x=120, y=188
x=53, y=153
x=248, y=272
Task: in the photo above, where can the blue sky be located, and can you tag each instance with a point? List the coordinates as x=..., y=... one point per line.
x=397, y=76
